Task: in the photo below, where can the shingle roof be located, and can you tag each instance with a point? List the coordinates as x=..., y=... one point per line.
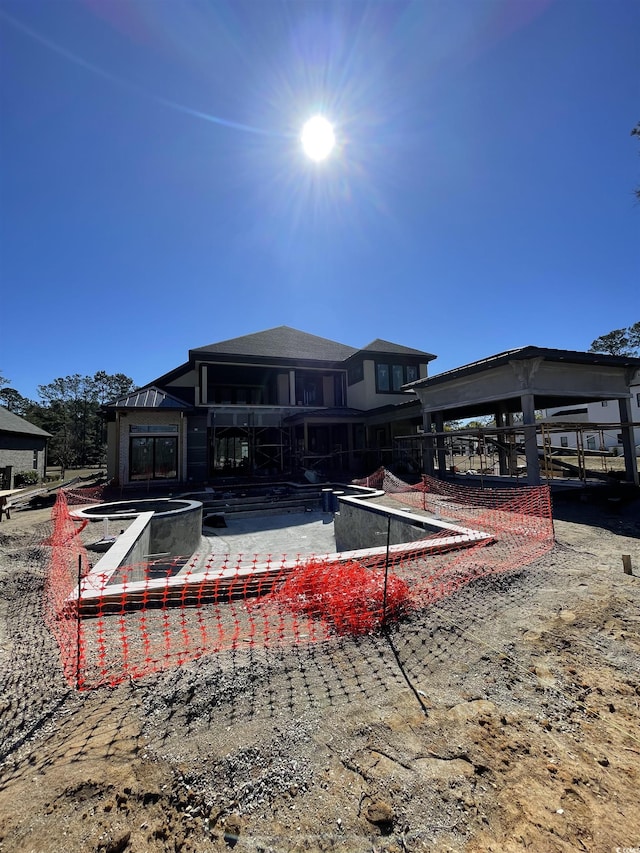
x=149, y=398
x=9, y=422
x=281, y=342
x=381, y=346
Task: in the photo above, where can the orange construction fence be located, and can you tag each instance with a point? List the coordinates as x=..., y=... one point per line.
x=148, y=617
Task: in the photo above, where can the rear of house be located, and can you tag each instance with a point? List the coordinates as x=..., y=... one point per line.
x=273, y=403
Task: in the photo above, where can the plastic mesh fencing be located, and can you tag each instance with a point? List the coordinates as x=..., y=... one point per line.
x=151, y=616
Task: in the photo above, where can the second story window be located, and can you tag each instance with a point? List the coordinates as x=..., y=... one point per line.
x=382, y=377
x=309, y=389
x=391, y=377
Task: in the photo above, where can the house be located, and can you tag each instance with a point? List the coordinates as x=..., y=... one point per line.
x=274, y=403
x=22, y=448
x=595, y=425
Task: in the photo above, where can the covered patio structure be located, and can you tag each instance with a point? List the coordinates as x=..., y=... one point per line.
x=521, y=382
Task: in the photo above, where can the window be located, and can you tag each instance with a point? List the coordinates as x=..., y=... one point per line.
x=35, y=460
x=605, y=402
x=638, y=399
x=591, y=442
x=382, y=377
x=153, y=458
x=564, y=441
x=309, y=389
x=412, y=373
x=397, y=375
x=391, y=377
x=153, y=428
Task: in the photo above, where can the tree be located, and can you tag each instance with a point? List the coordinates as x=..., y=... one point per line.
x=634, y=335
x=71, y=413
x=15, y=402
x=12, y=400
x=619, y=341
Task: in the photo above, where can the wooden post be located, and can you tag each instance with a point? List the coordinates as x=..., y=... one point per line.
x=78, y=632
x=626, y=564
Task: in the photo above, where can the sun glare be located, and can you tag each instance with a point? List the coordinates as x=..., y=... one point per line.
x=318, y=138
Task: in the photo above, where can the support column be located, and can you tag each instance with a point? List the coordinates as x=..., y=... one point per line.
x=628, y=442
x=204, y=379
x=292, y=387
x=427, y=455
x=503, y=465
x=442, y=458
x=530, y=444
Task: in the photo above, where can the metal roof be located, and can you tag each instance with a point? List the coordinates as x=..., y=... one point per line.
x=149, y=398
x=525, y=353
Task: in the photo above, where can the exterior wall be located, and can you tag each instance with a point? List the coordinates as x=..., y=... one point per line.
x=188, y=379
x=149, y=417
x=197, y=470
x=112, y=451
x=363, y=395
x=17, y=451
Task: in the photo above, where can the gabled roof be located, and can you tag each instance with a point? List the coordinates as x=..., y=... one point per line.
x=149, y=398
x=386, y=347
x=14, y=423
x=280, y=342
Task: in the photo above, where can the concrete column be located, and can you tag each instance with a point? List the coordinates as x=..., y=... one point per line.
x=427, y=453
x=502, y=453
x=292, y=387
x=530, y=444
x=442, y=459
x=204, y=373
x=628, y=442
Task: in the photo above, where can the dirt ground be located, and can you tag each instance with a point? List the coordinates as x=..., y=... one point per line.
x=505, y=718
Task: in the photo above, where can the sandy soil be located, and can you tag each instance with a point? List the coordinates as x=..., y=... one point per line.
x=505, y=718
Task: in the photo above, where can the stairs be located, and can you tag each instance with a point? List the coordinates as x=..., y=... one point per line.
x=247, y=503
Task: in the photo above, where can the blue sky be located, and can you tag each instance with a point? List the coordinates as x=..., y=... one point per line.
x=154, y=196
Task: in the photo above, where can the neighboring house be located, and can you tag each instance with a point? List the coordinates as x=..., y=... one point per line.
x=22, y=447
x=591, y=424
x=272, y=403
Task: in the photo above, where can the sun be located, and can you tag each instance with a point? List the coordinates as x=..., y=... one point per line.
x=318, y=138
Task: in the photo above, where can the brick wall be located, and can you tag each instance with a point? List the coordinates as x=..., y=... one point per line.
x=18, y=450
